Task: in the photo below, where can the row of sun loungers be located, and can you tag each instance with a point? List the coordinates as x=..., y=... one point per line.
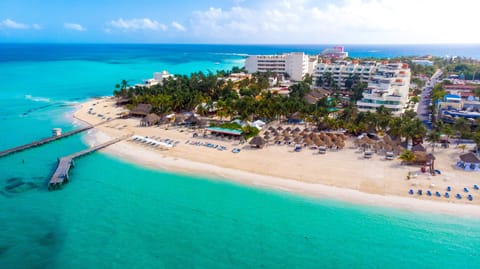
x=206, y=144
x=156, y=142
x=447, y=193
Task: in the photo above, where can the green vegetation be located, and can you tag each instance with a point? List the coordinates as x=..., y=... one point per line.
x=249, y=100
x=231, y=126
x=407, y=156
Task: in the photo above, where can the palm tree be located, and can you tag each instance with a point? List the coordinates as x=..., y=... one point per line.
x=413, y=128
x=433, y=137
x=407, y=156
x=461, y=126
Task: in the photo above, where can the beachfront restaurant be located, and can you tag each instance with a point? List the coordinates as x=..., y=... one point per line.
x=224, y=132
x=469, y=162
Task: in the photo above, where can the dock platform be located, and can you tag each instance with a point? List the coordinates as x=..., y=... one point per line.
x=43, y=141
x=60, y=176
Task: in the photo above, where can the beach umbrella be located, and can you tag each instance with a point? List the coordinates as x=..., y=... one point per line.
x=315, y=136
x=306, y=130
x=287, y=139
x=308, y=141
x=271, y=128
x=278, y=138
x=328, y=143
x=267, y=133
x=388, y=148
x=288, y=129
x=297, y=129
x=257, y=141
x=286, y=133
x=279, y=128
x=319, y=143
x=327, y=140
x=266, y=137
x=311, y=135
x=297, y=139
x=340, y=144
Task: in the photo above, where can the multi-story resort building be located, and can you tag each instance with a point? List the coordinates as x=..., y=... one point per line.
x=388, y=83
x=389, y=87
x=343, y=70
x=295, y=64
x=460, y=102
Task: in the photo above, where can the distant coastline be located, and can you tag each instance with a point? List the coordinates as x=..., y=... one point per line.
x=10, y=51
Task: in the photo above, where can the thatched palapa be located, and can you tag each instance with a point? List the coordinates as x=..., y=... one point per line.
x=150, y=119
x=141, y=110
x=257, y=142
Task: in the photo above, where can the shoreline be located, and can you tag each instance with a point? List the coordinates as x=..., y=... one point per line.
x=181, y=163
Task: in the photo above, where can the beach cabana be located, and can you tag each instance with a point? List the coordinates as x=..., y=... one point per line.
x=224, y=131
x=257, y=142
x=469, y=162
x=141, y=110
x=426, y=159
x=192, y=120
x=150, y=120
x=123, y=101
x=295, y=118
x=418, y=147
x=179, y=119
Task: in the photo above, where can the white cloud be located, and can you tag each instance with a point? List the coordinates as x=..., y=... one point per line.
x=36, y=26
x=138, y=24
x=347, y=21
x=11, y=24
x=178, y=26
x=74, y=26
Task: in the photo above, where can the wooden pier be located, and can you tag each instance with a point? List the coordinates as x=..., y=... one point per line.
x=43, y=141
x=60, y=176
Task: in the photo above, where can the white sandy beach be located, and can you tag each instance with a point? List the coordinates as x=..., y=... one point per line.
x=343, y=175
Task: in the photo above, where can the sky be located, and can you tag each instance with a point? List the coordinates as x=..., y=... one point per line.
x=240, y=21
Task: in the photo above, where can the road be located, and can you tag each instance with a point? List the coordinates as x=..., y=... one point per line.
x=423, y=112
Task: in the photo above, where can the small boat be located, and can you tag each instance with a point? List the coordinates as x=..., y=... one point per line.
x=429, y=193
x=235, y=150
x=459, y=196
x=410, y=192
x=419, y=192
x=465, y=189
x=475, y=187
x=470, y=197
x=447, y=195
x=438, y=194
x=449, y=188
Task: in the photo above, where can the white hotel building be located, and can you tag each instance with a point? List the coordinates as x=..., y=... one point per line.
x=388, y=87
x=296, y=64
x=343, y=70
x=388, y=83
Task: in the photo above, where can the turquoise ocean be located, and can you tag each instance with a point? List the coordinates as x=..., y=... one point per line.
x=114, y=214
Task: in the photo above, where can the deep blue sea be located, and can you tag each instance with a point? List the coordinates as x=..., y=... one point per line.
x=114, y=214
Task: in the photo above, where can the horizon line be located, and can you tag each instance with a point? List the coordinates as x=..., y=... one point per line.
x=240, y=44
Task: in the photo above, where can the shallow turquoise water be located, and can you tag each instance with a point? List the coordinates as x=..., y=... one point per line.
x=116, y=215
